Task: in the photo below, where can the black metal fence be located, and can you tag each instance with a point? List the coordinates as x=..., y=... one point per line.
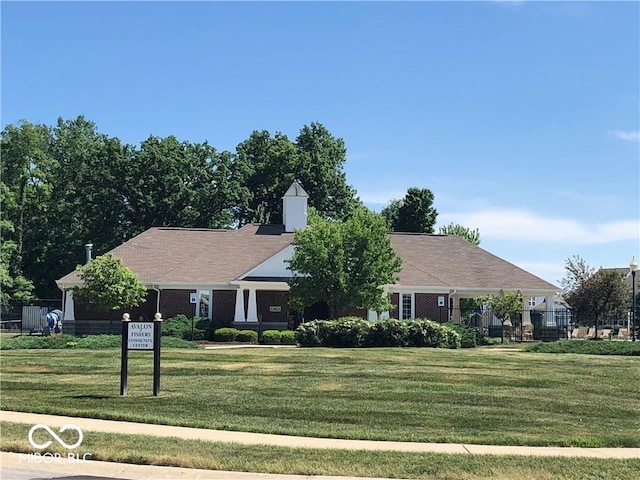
x=528, y=325
x=26, y=316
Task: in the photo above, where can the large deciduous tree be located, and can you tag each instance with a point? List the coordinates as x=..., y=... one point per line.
x=414, y=213
x=109, y=285
x=25, y=195
x=66, y=185
x=343, y=263
x=316, y=158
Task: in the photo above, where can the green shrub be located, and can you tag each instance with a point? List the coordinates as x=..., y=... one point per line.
x=357, y=332
x=310, y=334
x=427, y=333
x=468, y=335
x=271, y=337
x=288, y=337
x=590, y=347
x=225, y=334
x=247, y=336
x=90, y=342
x=181, y=327
x=100, y=341
x=346, y=332
x=172, y=342
x=29, y=342
x=387, y=333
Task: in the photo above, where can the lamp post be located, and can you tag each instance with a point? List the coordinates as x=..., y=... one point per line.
x=633, y=266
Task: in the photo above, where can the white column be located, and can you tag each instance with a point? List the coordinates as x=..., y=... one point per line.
x=549, y=316
x=239, y=315
x=252, y=314
x=384, y=315
x=372, y=315
x=69, y=311
x=455, y=310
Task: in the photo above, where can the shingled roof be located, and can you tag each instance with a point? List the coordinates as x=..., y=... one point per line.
x=451, y=261
x=190, y=256
x=165, y=255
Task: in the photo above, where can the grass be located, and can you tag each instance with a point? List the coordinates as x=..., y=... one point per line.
x=267, y=459
x=592, y=347
x=429, y=395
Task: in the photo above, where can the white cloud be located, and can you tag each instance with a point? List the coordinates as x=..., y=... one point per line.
x=629, y=136
x=380, y=197
x=512, y=224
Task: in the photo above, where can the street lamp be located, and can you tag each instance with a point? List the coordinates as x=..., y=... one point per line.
x=633, y=266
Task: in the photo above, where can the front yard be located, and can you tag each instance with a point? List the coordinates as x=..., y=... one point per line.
x=426, y=395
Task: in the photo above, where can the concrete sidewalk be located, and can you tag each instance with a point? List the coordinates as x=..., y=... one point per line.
x=14, y=466
x=89, y=425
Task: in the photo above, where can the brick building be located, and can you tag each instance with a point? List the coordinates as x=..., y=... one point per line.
x=239, y=277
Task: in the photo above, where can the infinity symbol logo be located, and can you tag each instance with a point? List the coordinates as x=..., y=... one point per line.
x=69, y=426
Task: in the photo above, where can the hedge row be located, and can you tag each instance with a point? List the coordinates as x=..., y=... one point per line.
x=269, y=337
x=357, y=332
x=93, y=342
x=591, y=347
x=278, y=337
x=228, y=334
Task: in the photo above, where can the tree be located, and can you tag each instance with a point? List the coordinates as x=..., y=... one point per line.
x=321, y=171
x=471, y=236
x=25, y=193
x=183, y=184
x=109, y=284
x=414, y=213
x=578, y=272
x=316, y=158
x=507, y=305
x=602, y=296
x=343, y=263
x=12, y=285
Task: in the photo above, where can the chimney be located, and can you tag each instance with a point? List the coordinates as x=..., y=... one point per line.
x=294, y=207
x=88, y=248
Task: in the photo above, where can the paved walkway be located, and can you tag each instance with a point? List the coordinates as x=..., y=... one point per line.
x=110, y=470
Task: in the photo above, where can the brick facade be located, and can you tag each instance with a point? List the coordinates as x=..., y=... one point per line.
x=266, y=299
x=88, y=312
x=224, y=306
x=175, y=302
x=425, y=306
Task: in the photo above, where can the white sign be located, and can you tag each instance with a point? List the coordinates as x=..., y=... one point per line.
x=140, y=336
x=193, y=298
x=441, y=301
x=275, y=308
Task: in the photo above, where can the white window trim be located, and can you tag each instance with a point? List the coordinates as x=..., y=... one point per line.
x=413, y=305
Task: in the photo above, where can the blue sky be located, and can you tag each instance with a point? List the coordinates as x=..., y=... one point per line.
x=523, y=118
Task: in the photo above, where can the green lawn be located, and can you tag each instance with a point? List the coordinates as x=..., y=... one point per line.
x=470, y=396
x=302, y=461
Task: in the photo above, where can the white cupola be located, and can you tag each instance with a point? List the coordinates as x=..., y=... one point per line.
x=294, y=207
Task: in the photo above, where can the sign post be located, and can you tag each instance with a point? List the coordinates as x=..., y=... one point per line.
x=143, y=336
x=157, y=318
x=124, y=355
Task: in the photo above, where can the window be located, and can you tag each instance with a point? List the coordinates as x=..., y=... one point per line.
x=532, y=301
x=407, y=307
x=203, y=307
